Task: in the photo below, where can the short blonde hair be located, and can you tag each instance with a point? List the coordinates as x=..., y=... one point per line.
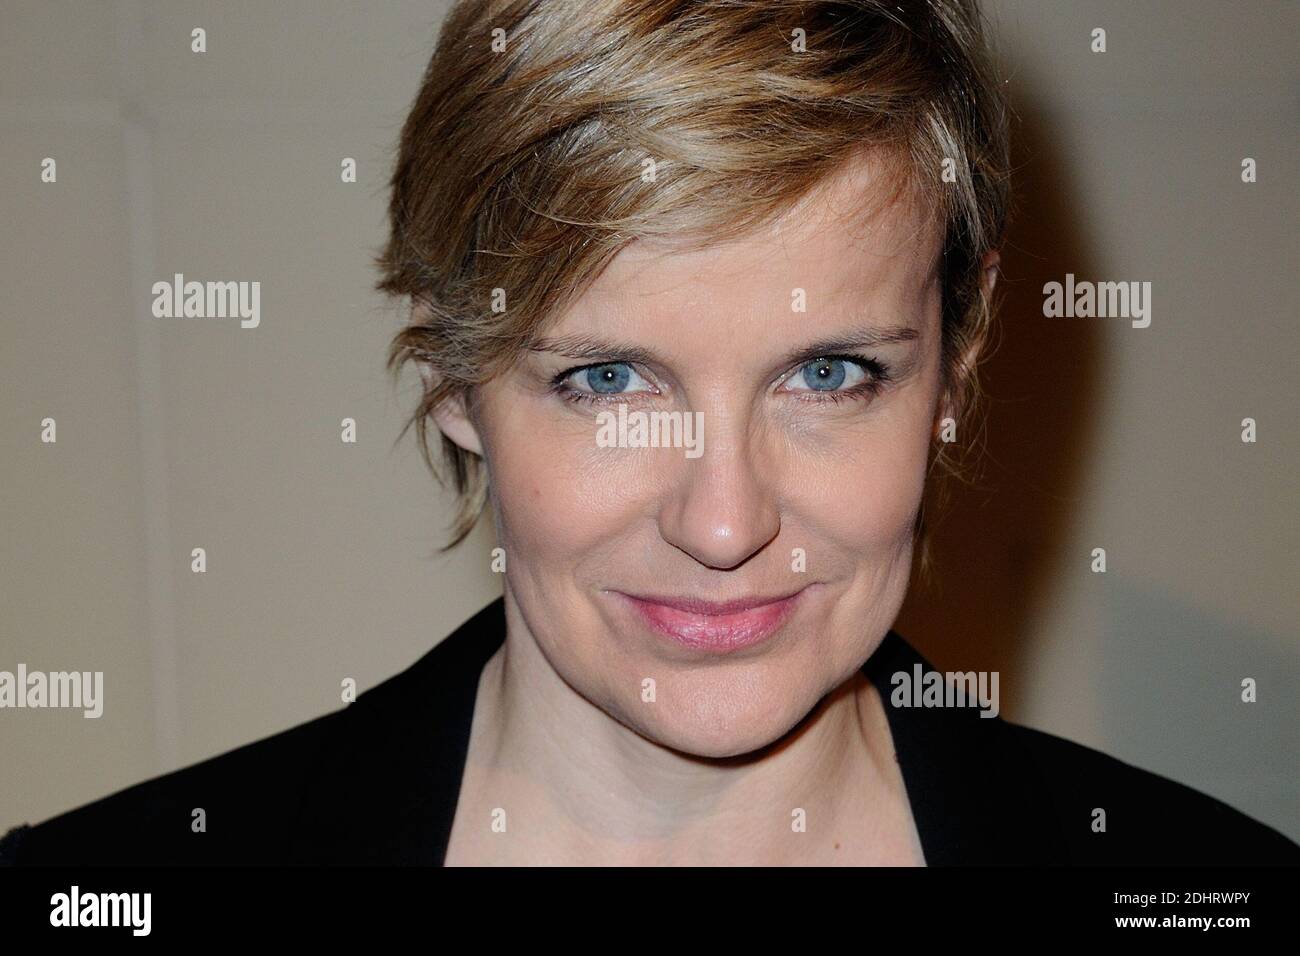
x=520, y=163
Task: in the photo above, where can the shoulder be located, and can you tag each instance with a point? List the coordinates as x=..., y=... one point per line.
x=374, y=782
x=249, y=796
x=986, y=790
x=1106, y=811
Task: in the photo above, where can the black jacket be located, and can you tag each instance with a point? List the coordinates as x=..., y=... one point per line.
x=378, y=781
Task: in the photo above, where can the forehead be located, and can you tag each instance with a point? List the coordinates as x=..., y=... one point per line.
x=858, y=236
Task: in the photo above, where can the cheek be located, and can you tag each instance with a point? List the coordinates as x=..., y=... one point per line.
x=862, y=490
x=554, y=499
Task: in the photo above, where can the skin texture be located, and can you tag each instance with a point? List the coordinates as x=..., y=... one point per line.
x=734, y=745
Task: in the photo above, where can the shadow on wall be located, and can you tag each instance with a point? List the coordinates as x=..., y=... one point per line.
x=996, y=548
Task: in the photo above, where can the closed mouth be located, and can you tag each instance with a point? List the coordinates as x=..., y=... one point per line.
x=717, y=626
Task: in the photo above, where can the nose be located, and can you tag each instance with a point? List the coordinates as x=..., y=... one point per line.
x=723, y=509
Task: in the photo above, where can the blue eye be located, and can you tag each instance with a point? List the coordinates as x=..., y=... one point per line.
x=597, y=381
x=828, y=374
x=837, y=377
x=608, y=379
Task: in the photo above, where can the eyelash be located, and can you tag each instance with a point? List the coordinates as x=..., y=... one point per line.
x=878, y=376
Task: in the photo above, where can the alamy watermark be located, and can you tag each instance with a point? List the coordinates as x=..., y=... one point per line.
x=82, y=690
x=179, y=299
x=651, y=430
x=922, y=688
x=1103, y=300
x=76, y=908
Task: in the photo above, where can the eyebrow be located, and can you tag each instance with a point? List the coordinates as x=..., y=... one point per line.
x=863, y=337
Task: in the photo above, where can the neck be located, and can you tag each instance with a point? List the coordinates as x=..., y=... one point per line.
x=581, y=788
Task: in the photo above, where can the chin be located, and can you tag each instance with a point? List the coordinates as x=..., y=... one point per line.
x=715, y=743
x=716, y=719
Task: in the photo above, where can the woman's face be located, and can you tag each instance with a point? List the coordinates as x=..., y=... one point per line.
x=816, y=427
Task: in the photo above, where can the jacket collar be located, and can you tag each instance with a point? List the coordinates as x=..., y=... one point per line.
x=386, y=792
x=975, y=793
x=389, y=792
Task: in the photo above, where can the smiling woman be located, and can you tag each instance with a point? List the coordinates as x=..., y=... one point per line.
x=733, y=213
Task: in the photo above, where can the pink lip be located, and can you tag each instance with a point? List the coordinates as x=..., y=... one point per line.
x=719, y=626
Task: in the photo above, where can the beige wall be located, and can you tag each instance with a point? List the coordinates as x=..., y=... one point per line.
x=174, y=435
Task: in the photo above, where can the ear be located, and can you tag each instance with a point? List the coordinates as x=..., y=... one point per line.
x=989, y=269
x=988, y=281
x=453, y=418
